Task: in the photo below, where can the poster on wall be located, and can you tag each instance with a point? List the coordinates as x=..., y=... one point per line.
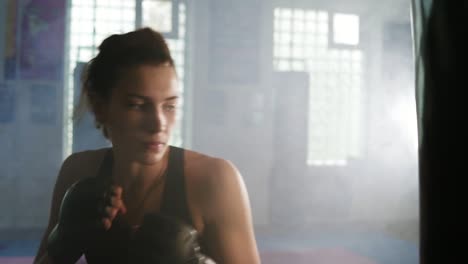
x=7, y=104
x=43, y=103
x=10, y=40
x=42, y=38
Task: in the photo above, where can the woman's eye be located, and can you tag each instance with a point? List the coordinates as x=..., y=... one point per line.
x=170, y=108
x=137, y=106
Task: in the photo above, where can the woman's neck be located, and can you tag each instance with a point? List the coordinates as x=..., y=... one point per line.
x=128, y=172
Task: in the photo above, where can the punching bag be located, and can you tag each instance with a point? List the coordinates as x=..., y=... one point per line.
x=439, y=30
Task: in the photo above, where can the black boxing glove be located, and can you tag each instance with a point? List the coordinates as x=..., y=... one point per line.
x=79, y=221
x=166, y=240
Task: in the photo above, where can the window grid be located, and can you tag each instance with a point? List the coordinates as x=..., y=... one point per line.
x=301, y=44
x=91, y=22
x=177, y=48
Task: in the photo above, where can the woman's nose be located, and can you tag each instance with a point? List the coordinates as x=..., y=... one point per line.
x=156, y=121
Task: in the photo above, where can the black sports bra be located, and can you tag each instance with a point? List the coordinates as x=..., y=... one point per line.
x=112, y=246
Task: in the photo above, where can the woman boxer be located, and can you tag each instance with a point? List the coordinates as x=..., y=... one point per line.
x=131, y=87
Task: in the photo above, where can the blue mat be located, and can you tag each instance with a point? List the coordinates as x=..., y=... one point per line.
x=19, y=248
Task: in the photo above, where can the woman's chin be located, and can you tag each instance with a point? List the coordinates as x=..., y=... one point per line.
x=151, y=157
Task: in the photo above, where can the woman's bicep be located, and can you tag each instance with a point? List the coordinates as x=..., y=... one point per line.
x=229, y=232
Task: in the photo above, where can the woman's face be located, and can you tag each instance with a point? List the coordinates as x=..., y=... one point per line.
x=142, y=111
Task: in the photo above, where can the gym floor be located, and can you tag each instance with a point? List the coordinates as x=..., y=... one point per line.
x=298, y=248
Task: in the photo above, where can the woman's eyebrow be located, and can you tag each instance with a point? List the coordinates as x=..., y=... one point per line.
x=137, y=96
x=148, y=98
x=171, y=98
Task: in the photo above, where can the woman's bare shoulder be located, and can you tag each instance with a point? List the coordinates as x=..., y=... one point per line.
x=200, y=162
x=82, y=164
x=206, y=169
x=93, y=156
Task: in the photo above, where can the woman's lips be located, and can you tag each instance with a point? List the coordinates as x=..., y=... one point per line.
x=155, y=146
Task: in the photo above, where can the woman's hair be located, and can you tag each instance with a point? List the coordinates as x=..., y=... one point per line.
x=118, y=53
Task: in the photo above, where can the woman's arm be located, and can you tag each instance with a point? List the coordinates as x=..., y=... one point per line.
x=228, y=235
x=65, y=179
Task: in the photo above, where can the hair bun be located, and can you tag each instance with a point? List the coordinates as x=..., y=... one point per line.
x=144, y=39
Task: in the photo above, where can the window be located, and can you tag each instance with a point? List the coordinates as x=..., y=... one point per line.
x=345, y=29
x=158, y=14
x=177, y=48
x=301, y=43
x=92, y=21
